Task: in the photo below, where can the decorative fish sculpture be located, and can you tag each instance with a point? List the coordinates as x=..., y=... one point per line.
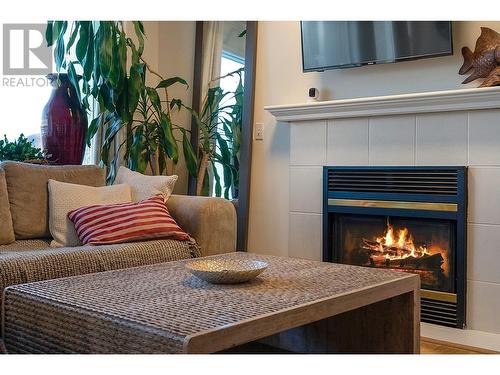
x=485, y=60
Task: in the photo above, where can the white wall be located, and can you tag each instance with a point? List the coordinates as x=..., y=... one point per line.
x=280, y=80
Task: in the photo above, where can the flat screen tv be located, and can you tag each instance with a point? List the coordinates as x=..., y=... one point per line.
x=347, y=44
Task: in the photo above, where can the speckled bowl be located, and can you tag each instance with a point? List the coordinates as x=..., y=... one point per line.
x=226, y=271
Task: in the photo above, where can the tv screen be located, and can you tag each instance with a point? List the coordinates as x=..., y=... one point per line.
x=347, y=44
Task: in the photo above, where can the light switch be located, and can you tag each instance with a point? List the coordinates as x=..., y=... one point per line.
x=259, y=131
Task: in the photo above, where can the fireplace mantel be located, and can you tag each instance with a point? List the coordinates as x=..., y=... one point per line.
x=425, y=102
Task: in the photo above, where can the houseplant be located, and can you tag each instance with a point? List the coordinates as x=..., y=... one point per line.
x=219, y=123
x=130, y=113
x=21, y=149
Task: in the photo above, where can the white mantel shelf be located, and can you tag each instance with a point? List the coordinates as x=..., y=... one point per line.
x=425, y=102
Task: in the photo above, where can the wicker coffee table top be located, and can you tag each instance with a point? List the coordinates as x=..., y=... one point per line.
x=163, y=308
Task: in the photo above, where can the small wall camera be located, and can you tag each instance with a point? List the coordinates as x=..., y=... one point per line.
x=313, y=94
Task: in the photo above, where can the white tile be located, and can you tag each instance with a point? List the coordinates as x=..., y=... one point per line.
x=484, y=195
x=348, y=142
x=484, y=137
x=392, y=140
x=306, y=189
x=483, y=306
x=305, y=236
x=483, y=253
x=308, y=143
x=442, y=139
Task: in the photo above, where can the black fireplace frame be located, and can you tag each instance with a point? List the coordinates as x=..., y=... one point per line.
x=391, y=197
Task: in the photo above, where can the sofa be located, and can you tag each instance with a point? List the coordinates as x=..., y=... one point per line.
x=25, y=252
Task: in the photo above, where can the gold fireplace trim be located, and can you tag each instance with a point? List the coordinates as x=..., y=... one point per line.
x=448, y=207
x=438, y=296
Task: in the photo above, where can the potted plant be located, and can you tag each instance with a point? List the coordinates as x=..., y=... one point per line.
x=113, y=75
x=21, y=149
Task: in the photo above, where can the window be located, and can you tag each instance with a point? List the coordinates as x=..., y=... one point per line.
x=229, y=63
x=24, y=98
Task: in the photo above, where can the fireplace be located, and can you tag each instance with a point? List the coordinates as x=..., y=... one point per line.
x=408, y=219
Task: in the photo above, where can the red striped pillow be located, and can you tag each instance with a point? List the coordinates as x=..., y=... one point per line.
x=126, y=222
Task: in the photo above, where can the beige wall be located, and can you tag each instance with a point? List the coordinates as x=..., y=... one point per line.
x=280, y=80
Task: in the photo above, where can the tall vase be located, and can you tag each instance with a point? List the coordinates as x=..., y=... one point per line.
x=64, y=123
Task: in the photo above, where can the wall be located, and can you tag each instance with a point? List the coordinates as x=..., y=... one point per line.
x=280, y=80
x=283, y=221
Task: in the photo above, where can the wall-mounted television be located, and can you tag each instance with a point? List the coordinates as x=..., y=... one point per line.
x=347, y=44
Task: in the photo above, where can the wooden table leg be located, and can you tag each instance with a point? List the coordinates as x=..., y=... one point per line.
x=388, y=326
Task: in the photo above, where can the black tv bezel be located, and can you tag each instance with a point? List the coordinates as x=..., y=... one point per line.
x=376, y=62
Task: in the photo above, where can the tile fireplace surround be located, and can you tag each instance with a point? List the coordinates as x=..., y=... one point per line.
x=456, y=127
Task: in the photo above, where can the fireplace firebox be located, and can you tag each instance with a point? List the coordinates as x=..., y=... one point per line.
x=409, y=219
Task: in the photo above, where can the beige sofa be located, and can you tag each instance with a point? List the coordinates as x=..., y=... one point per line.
x=25, y=253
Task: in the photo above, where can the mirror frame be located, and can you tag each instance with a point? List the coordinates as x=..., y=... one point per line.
x=247, y=125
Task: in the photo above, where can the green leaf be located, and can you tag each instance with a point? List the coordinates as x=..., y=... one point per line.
x=139, y=32
x=154, y=98
x=73, y=78
x=59, y=53
x=228, y=179
x=73, y=35
x=137, y=160
x=49, y=34
x=134, y=87
x=93, y=128
x=176, y=103
x=205, y=190
x=81, y=48
x=171, y=81
x=105, y=44
x=218, y=186
x=168, y=141
x=189, y=155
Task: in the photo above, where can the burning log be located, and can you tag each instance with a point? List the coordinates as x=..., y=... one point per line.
x=389, y=249
x=433, y=261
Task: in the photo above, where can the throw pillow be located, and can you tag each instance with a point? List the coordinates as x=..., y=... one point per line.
x=144, y=187
x=65, y=197
x=126, y=222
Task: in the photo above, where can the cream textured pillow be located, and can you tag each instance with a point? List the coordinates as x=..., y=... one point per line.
x=64, y=197
x=144, y=187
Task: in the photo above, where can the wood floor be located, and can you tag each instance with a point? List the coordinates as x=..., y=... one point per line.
x=435, y=347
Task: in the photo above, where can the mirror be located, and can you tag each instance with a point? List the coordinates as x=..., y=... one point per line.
x=223, y=91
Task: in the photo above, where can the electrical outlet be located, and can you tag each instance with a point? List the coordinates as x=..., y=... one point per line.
x=259, y=131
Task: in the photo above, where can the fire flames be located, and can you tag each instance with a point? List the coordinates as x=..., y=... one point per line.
x=400, y=247
x=397, y=249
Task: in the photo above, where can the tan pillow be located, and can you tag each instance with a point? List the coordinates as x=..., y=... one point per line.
x=64, y=197
x=144, y=187
x=6, y=229
x=28, y=195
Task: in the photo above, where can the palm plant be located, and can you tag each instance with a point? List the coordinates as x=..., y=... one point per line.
x=113, y=75
x=221, y=110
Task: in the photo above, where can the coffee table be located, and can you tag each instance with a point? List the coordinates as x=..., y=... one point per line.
x=296, y=305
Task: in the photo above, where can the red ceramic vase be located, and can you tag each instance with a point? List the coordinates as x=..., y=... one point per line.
x=64, y=123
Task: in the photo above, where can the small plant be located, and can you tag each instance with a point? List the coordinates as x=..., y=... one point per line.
x=20, y=150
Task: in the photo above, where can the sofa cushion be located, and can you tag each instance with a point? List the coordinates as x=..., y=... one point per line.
x=64, y=198
x=19, y=266
x=6, y=229
x=126, y=222
x=28, y=193
x=144, y=187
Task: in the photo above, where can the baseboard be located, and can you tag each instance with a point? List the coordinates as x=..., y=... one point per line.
x=484, y=342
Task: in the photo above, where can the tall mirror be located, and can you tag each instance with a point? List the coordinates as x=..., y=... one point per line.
x=223, y=91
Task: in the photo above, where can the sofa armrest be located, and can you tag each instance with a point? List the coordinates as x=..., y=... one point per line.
x=211, y=221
